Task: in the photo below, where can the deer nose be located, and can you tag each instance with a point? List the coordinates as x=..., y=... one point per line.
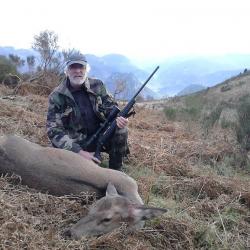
x=71, y=234
x=67, y=234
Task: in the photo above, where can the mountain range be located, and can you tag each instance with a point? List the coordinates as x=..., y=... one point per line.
x=178, y=73
x=174, y=75
x=192, y=88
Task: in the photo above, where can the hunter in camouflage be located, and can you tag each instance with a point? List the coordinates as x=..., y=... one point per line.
x=76, y=109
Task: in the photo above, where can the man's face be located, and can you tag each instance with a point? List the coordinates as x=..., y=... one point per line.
x=77, y=74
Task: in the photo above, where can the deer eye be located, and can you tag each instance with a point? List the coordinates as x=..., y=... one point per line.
x=105, y=220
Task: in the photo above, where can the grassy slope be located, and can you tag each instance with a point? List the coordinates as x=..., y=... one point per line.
x=206, y=193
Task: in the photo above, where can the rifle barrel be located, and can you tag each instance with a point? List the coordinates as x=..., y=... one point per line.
x=137, y=93
x=112, y=125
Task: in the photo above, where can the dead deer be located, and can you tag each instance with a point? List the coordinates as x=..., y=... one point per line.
x=61, y=172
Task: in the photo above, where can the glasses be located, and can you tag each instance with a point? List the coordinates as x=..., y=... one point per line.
x=77, y=66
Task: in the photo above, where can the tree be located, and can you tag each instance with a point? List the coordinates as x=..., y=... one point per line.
x=16, y=60
x=31, y=62
x=120, y=86
x=69, y=52
x=6, y=68
x=63, y=57
x=46, y=44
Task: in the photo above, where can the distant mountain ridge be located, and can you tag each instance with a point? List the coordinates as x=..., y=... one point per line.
x=131, y=86
x=191, y=89
x=105, y=68
x=102, y=67
x=174, y=75
x=20, y=52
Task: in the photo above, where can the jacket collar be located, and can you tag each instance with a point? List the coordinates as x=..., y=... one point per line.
x=64, y=89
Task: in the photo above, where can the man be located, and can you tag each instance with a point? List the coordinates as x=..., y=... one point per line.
x=76, y=109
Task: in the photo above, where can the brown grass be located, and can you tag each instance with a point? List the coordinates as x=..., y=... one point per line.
x=175, y=167
x=27, y=88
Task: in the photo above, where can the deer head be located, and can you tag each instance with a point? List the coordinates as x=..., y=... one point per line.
x=109, y=213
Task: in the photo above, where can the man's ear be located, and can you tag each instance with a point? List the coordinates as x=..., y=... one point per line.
x=146, y=213
x=65, y=71
x=111, y=190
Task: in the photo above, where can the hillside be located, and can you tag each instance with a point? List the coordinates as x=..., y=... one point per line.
x=198, y=178
x=175, y=73
x=230, y=90
x=130, y=84
x=226, y=94
x=191, y=89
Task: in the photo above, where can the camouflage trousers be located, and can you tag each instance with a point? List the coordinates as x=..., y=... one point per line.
x=116, y=147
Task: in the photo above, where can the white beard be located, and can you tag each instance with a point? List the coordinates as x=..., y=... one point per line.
x=77, y=81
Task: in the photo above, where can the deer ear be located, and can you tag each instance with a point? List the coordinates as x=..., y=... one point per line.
x=111, y=190
x=147, y=213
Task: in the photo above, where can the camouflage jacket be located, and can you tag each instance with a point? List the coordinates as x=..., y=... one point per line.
x=65, y=126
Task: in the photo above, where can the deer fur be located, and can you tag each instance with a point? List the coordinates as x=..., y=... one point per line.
x=61, y=172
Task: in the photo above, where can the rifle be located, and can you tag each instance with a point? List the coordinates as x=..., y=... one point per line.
x=109, y=125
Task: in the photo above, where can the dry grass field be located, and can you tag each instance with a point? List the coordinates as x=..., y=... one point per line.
x=199, y=179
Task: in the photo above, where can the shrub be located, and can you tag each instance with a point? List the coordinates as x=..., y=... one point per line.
x=194, y=105
x=241, y=83
x=170, y=113
x=209, y=120
x=190, y=113
x=243, y=129
x=226, y=124
x=6, y=67
x=225, y=88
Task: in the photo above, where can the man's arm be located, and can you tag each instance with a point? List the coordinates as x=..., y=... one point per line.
x=55, y=130
x=58, y=135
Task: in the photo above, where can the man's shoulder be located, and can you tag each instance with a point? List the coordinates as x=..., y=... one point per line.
x=60, y=89
x=97, y=86
x=95, y=81
x=59, y=93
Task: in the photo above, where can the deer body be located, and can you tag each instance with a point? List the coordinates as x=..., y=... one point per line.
x=61, y=172
x=58, y=171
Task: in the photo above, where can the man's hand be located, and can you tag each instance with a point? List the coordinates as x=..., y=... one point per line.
x=121, y=122
x=89, y=156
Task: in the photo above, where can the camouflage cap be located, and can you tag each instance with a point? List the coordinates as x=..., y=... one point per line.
x=76, y=58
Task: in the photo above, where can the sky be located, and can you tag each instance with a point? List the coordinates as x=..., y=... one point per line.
x=138, y=29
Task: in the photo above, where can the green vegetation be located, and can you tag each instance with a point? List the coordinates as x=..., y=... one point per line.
x=214, y=222
x=225, y=88
x=242, y=83
x=243, y=130
x=170, y=113
x=208, y=121
x=6, y=67
x=191, y=110
x=226, y=124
